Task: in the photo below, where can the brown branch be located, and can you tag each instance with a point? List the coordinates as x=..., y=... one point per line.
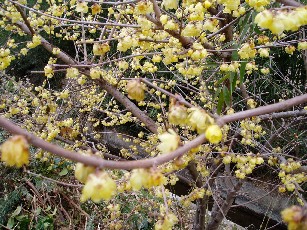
x=145, y=163
x=263, y=110
x=201, y=204
x=218, y=215
x=95, y=160
x=288, y=114
x=290, y=3
x=55, y=181
x=156, y=9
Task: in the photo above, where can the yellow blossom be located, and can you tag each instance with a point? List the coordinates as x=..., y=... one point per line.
x=135, y=90
x=96, y=9
x=95, y=72
x=264, y=52
x=72, y=72
x=302, y=46
x=36, y=40
x=100, y=49
x=177, y=115
x=198, y=119
x=247, y=51
x=214, y=134
x=169, y=141
x=98, y=186
x=15, y=151
x=143, y=7
x=82, y=172
x=48, y=71
x=82, y=7
x=170, y=4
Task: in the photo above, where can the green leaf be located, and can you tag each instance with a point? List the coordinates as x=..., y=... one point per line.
x=63, y=172
x=227, y=96
x=220, y=103
x=242, y=70
x=233, y=83
x=16, y=212
x=220, y=81
x=10, y=223
x=21, y=217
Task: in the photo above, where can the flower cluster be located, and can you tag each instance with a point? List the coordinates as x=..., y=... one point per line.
x=36, y=40
x=250, y=130
x=290, y=179
x=168, y=222
x=245, y=164
x=247, y=51
x=232, y=67
x=169, y=141
x=146, y=178
x=258, y=4
x=281, y=20
x=195, y=194
x=295, y=217
x=5, y=58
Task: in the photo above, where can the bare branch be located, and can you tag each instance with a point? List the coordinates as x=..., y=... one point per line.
x=284, y=105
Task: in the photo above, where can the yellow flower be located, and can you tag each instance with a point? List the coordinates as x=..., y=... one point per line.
x=97, y=187
x=198, y=119
x=168, y=222
x=96, y=9
x=227, y=159
x=82, y=7
x=177, y=115
x=72, y=72
x=95, y=72
x=48, y=71
x=100, y=49
x=135, y=90
x=251, y=103
x=302, y=46
x=163, y=19
x=169, y=141
x=170, y=4
x=143, y=7
x=36, y=40
x=15, y=151
x=214, y=134
x=295, y=217
x=263, y=52
x=82, y=172
x=247, y=51
x=290, y=49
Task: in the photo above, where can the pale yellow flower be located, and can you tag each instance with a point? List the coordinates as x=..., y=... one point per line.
x=135, y=90
x=82, y=172
x=169, y=141
x=98, y=186
x=214, y=134
x=15, y=151
x=170, y=4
